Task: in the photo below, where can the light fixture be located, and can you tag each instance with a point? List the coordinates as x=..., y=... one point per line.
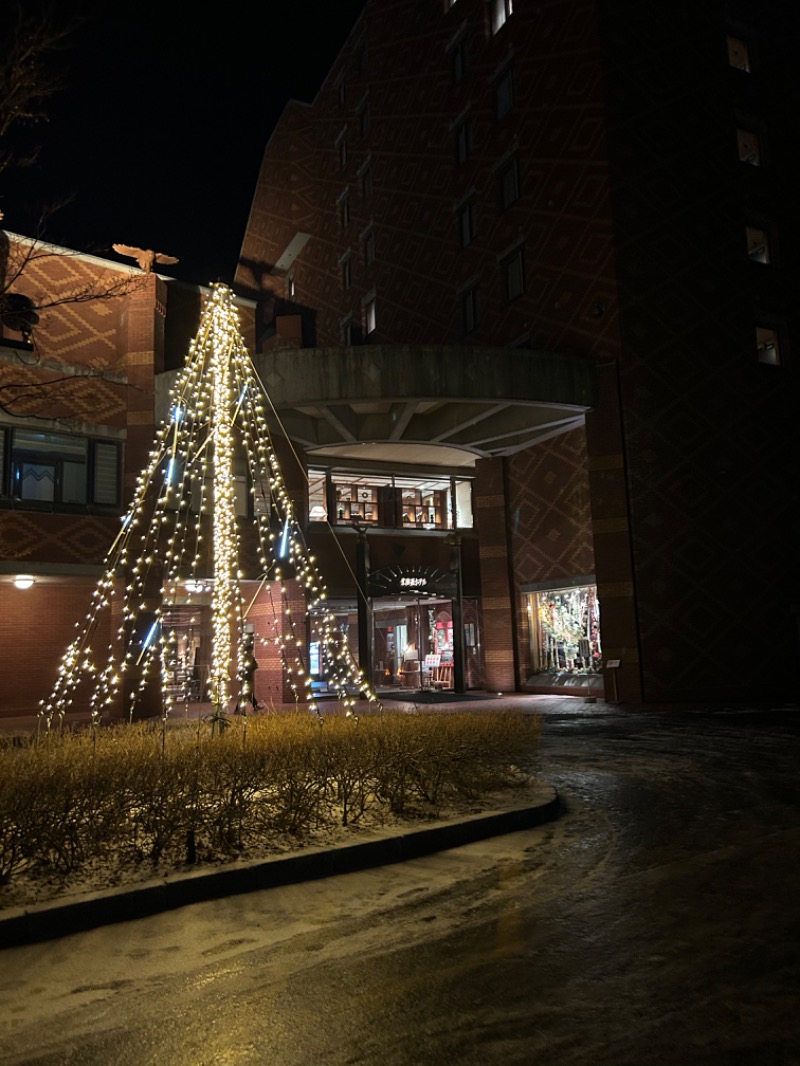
x=24, y=581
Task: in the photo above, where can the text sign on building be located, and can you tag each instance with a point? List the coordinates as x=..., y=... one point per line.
x=419, y=581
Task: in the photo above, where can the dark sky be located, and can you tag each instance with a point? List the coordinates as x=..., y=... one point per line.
x=159, y=131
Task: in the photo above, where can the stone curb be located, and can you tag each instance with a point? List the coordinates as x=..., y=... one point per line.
x=47, y=921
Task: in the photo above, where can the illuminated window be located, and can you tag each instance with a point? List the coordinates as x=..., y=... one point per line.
x=749, y=147
x=466, y=223
x=757, y=245
x=738, y=54
x=317, y=496
x=469, y=309
x=514, y=274
x=768, y=346
x=565, y=630
x=509, y=182
x=504, y=94
x=370, y=317
x=421, y=501
x=501, y=12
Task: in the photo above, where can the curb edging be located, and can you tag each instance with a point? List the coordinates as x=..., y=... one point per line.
x=47, y=921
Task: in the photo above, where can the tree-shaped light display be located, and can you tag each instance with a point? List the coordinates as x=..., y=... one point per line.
x=185, y=495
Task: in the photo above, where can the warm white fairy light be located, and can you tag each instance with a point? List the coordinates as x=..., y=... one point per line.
x=158, y=554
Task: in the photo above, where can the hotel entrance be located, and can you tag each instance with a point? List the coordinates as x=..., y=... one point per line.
x=418, y=641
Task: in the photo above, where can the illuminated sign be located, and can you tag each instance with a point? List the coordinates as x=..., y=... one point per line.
x=418, y=582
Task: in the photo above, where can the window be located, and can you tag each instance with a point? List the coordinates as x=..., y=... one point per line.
x=749, y=147
x=347, y=271
x=509, y=182
x=757, y=245
x=346, y=326
x=57, y=468
x=344, y=211
x=458, y=63
x=565, y=630
x=341, y=149
x=469, y=309
x=768, y=346
x=466, y=223
x=317, y=496
x=421, y=501
x=341, y=91
x=504, y=94
x=514, y=274
x=363, y=119
x=368, y=247
x=501, y=12
x=738, y=54
x=370, y=319
x=366, y=182
x=463, y=139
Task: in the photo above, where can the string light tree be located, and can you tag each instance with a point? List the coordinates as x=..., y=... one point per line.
x=186, y=492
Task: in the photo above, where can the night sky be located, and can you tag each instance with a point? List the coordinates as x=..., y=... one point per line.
x=159, y=131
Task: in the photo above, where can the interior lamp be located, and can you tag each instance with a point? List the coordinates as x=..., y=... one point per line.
x=24, y=581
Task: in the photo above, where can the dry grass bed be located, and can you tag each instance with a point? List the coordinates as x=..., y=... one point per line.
x=97, y=808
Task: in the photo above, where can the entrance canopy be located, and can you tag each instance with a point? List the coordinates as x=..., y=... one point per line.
x=427, y=404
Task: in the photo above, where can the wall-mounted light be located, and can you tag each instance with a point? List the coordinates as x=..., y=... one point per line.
x=24, y=581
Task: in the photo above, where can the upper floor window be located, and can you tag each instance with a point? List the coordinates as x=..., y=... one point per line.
x=738, y=53
x=504, y=93
x=341, y=149
x=368, y=247
x=469, y=309
x=363, y=119
x=509, y=182
x=749, y=146
x=458, y=62
x=466, y=223
x=501, y=11
x=463, y=139
x=514, y=274
x=366, y=181
x=411, y=501
x=347, y=271
x=370, y=316
x=757, y=244
x=58, y=468
x=768, y=345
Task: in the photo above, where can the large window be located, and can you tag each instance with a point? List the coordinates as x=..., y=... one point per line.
x=58, y=468
x=565, y=630
x=424, y=502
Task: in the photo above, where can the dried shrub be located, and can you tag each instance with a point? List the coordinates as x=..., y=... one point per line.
x=174, y=793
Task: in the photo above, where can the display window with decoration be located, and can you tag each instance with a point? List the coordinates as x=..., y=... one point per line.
x=565, y=630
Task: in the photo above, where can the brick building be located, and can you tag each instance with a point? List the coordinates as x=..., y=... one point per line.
x=520, y=283
x=569, y=182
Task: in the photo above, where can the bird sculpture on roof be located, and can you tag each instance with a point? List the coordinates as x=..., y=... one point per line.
x=145, y=257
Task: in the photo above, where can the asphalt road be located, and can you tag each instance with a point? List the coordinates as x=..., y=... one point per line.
x=656, y=922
